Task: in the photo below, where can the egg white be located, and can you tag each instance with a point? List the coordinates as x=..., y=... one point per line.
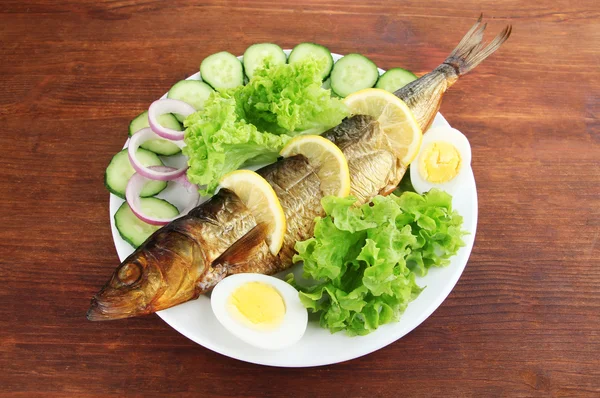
x=290, y=330
x=460, y=142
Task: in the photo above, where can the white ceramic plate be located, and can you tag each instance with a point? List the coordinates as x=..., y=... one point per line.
x=196, y=321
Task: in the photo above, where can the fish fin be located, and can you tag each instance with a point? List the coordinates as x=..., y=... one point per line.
x=239, y=252
x=471, y=50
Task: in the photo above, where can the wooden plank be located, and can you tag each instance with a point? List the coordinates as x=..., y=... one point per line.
x=524, y=317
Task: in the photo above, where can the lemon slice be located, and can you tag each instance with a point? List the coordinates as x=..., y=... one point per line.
x=394, y=117
x=262, y=201
x=325, y=156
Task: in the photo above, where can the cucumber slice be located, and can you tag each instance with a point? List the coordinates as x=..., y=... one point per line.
x=395, y=79
x=119, y=171
x=222, y=71
x=160, y=146
x=194, y=92
x=352, y=73
x=306, y=50
x=257, y=55
x=133, y=230
x=141, y=121
x=327, y=86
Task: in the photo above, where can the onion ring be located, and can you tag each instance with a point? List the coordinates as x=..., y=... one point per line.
x=139, y=138
x=168, y=105
x=137, y=182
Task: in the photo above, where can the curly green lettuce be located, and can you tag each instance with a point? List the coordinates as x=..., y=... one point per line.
x=290, y=98
x=362, y=261
x=252, y=123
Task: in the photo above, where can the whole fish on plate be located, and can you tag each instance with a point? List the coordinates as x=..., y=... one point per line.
x=220, y=237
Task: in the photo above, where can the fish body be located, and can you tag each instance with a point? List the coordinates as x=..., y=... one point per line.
x=220, y=237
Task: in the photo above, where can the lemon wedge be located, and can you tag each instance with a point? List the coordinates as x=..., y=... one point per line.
x=262, y=201
x=394, y=117
x=327, y=158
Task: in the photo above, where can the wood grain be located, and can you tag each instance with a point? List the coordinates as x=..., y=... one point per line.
x=524, y=319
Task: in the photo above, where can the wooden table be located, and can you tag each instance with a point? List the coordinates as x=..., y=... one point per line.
x=524, y=319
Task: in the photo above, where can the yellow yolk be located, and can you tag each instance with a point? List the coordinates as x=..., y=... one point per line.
x=257, y=305
x=439, y=162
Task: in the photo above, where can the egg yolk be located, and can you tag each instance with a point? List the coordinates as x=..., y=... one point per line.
x=439, y=162
x=257, y=305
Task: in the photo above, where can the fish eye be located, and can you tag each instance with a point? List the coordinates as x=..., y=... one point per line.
x=129, y=273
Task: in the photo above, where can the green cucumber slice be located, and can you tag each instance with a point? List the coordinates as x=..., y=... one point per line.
x=222, y=71
x=135, y=231
x=395, y=79
x=257, y=55
x=120, y=170
x=159, y=146
x=306, y=50
x=352, y=73
x=194, y=92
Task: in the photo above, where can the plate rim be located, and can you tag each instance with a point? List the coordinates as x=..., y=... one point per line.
x=388, y=339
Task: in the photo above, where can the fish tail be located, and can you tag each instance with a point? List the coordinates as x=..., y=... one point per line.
x=424, y=95
x=471, y=50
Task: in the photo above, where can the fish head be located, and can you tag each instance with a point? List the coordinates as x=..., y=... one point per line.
x=130, y=291
x=159, y=274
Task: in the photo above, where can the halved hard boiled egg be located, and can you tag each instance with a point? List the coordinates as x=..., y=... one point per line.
x=442, y=162
x=261, y=310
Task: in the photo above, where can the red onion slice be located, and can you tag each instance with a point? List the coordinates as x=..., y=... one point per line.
x=136, y=184
x=168, y=105
x=149, y=172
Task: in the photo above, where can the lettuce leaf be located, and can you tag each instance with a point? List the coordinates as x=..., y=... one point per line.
x=250, y=124
x=219, y=141
x=363, y=261
x=289, y=98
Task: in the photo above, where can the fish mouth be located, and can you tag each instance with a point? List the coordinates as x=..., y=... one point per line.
x=105, y=307
x=101, y=310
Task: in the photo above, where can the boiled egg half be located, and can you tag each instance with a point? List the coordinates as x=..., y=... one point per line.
x=261, y=310
x=443, y=161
